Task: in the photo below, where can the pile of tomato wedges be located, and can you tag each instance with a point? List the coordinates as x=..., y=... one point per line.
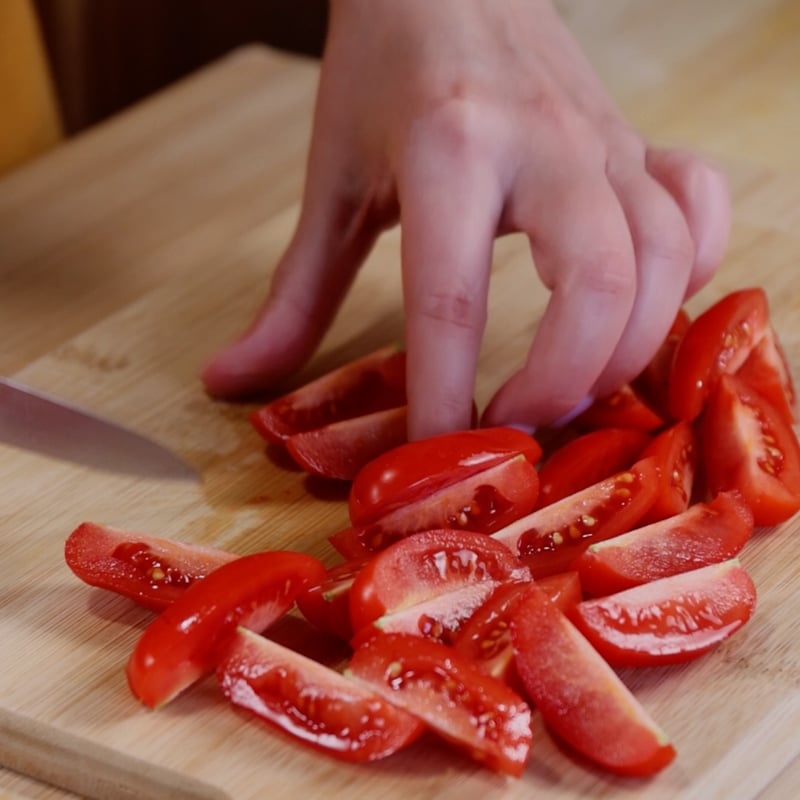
x=487, y=574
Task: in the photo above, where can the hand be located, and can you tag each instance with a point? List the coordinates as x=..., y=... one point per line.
x=464, y=120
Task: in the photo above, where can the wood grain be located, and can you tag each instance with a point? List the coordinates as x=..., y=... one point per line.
x=126, y=259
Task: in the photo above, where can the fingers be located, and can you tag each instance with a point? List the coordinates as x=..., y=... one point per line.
x=702, y=194
x=583, y=252
x=450, y=205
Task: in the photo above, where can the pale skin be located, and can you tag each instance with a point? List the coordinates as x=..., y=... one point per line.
x=462, y=120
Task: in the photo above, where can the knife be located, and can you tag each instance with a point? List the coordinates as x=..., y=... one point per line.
x=36, y=421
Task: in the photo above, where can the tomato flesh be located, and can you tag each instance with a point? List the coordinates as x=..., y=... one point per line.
x=748, y=447
x=669, y=620
x=466, y=707
x=549, y=539
x=311, y=702
x=185, y=641
x=419, y=469
x=371, y=383
x=621, y=409
x=579, y=695
x=151, y=570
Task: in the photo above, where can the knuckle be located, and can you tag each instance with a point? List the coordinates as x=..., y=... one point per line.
x=457, y=125
x=460, y=308
x=607, y=272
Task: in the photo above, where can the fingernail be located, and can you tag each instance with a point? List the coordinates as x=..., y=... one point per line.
x=521, y=426
x=576, y=411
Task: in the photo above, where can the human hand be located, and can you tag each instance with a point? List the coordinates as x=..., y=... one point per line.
x=464, y=120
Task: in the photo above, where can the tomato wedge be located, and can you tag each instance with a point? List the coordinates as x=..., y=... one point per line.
x=718, y=342
x=151, y=570
x=551, y=538
x=706, y=533
x=623, y=408
x=426, y=565
x=466, y=707
x=485, y=501
x=669, y=620
x=588, y=459
x=312, y=702
x=748, y=447
x=339, y=450
x=579, y=695
x=418, y=469
x=767, y=371
x=185, y=641
x=676, y=451
x=371, y=383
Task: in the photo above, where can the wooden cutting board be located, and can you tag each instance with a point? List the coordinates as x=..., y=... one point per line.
x=126, y=260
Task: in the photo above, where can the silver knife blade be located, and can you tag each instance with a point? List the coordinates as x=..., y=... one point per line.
x=33, y=420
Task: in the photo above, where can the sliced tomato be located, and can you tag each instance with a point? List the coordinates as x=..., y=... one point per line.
x=151, y=570
x=767, y=371
x=579, y=695
x=668, y=620
x=551, y=538
x=371, y=383
x=706, y=533
x=588, y=459
x=418, y=469
x=468, y=708
x=748, y=447
x=427, y=565
x=312, y=702
x=717, y=343
x=652, y=384
x=327, y=605
x=623, y=408
x=484, y=502
x=676, y=451
x=339, y=450
x=185, y=641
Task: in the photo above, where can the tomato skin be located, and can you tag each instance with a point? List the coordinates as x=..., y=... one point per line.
x=371, y=383
x=466, y=707
x=427, y=565
x=151, y=570
x=483, y=502
x=551, y=538
x=339, y=450
x=623, y=408
x=748, y=447
x=669, y=620
x=588, y=459
x=311, y=702
x=579, y=695
x=677, y=451
x=704, y=534
x=718, y=342
x=185, y=641
x=420, y=468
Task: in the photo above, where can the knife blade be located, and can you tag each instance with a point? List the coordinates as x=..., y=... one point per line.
x=34, y=420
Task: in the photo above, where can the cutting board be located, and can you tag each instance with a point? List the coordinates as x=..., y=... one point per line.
x=192, y=244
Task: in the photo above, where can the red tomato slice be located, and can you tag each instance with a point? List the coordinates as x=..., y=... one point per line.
x=621, y=409
x=551, y=538
x=767, y=371
x=579, y=695
x=327, y=605
x=588, y=459
x=371, y=383
x=426, y=565
x=418, y=469
x=311, y=702
x=669, y=620
x=483, y=502
x=718, y=342
x=748, y=447
x=185, y=641
x=468, y=708
x=676, y=451
x=341, y=449
x=706, y=533
x=652, y=384
x=148, y=569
